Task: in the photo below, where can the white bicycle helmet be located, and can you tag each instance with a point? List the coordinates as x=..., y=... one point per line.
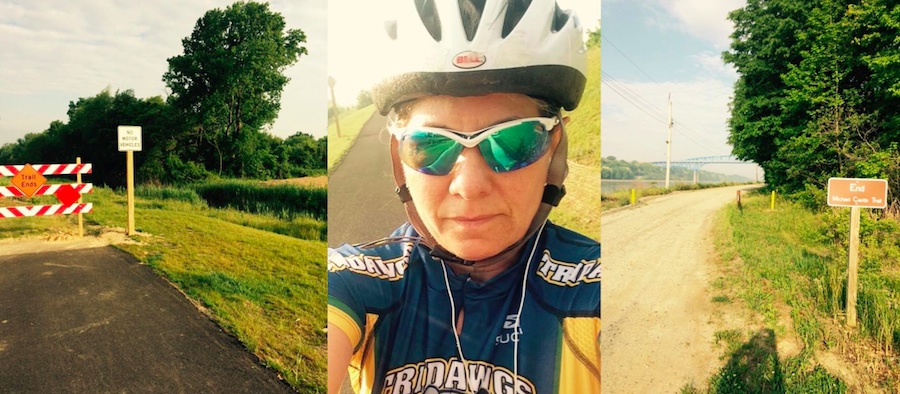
x=477, y=47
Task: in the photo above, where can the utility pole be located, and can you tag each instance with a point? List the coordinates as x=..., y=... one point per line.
x=334, y=107
x=669, y=144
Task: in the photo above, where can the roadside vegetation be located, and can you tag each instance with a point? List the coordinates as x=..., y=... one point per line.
x=816, y=98
x=352, y=121
x=622, y=198
x=580, y=209
x=266, y=289
x=788, y=268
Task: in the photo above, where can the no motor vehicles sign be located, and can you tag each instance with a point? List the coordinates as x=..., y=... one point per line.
x=129, y=138
x=857, y=192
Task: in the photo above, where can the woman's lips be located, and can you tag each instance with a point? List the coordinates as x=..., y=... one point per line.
x=471, y=221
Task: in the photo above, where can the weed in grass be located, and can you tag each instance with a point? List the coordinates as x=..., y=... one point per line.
x=802, y=375
x=721, y=299
x=718, y=283
x=689, y=389
x=731, y=339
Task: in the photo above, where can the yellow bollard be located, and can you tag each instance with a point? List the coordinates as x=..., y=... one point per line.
x=772, y=205
x=632, y=196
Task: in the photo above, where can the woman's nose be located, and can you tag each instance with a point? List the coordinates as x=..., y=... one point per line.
x=471, y=175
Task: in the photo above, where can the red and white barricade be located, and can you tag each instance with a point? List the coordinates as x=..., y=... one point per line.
x=29, y=181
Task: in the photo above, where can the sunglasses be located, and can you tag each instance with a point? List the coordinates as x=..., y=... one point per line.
x=506, y=146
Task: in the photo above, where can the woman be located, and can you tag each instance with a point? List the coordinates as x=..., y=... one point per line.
x=478, y=293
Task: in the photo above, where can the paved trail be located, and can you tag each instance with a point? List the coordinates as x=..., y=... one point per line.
x=361, y=199
x=657, y=335
x=86, y=318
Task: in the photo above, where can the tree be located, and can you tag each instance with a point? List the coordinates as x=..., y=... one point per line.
x=363, y=99
x=818, y=92
x=228, y=81
x=593, y=38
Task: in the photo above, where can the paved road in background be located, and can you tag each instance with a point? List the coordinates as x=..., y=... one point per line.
x=362, y=205
x=656, y=299
x=96, y=320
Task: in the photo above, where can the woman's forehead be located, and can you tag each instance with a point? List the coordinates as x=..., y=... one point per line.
x=471, y=113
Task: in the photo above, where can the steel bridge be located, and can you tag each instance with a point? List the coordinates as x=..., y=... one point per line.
x=695, y=163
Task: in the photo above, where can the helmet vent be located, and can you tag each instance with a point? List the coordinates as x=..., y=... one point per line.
x=560, y=18
x=471, y=11
x=430, y=18
x=515, y=9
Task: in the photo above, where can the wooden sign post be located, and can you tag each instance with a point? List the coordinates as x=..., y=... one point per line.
x=855, y=193
x=129, y=142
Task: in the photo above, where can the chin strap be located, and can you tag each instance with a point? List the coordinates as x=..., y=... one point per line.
x=553, y=193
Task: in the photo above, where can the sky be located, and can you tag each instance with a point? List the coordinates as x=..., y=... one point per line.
x=356, y=39
x=58, y=51
x=654, y=48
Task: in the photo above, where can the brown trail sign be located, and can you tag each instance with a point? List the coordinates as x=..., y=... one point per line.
x=855, y=193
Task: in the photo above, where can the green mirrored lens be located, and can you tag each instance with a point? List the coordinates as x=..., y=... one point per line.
x=429, y=153
x=515, y=147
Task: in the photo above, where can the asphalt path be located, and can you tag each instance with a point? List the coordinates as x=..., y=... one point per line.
x=95, y=320
x=362, y=205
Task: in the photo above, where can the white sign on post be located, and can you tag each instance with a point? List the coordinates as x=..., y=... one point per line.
x=130, y=138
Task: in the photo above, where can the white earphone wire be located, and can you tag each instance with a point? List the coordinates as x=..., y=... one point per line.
x=515, y=326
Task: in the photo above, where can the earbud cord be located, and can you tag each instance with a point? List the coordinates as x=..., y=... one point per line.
x=521, y=304
x=515, y=326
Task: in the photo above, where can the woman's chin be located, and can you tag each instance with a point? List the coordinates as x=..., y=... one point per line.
x=473, y=250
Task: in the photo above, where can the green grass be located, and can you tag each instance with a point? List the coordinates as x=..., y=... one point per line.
x=584, y=128
x=351, y=123
x=579, y=210
x=796, y=259
x=266, y=289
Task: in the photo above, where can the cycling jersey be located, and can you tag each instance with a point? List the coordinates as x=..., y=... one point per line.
x=392, y=302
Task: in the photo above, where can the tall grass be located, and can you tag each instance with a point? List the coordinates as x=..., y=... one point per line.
x=267, y=217
x=285, y=201
x=584, y=128
x=797, y=257
x=169, y=193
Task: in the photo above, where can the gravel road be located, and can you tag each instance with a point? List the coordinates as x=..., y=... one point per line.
x=657, y=266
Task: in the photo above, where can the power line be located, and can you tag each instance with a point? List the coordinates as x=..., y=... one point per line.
x=650, y=108
x=627, y=58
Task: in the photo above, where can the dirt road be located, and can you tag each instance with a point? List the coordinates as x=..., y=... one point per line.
x=657, y=267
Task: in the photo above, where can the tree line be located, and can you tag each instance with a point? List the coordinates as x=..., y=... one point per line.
x=818, y=93
x=224, y=89
x=613, y=168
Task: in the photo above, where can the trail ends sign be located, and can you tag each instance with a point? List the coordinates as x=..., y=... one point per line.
x=28, y=180
x=129, y=138
x=857, y=192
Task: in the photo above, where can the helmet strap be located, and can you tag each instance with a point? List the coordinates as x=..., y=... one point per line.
x=553, y=193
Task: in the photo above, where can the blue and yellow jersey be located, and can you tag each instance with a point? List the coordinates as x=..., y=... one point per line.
x=392, y=302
